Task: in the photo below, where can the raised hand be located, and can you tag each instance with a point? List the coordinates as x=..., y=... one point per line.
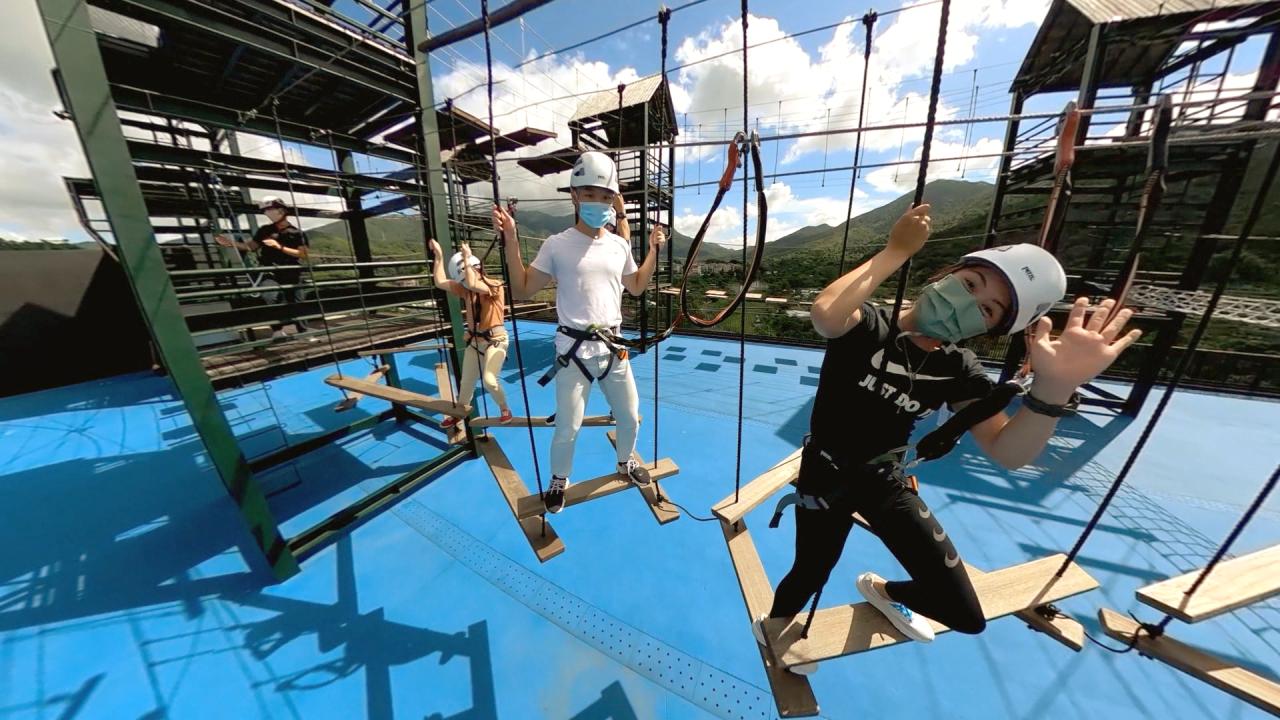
x=657, y=237
x=911, y=230
x=503, y=223
x=1090, y=342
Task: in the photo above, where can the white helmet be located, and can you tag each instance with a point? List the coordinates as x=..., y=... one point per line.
x=1035, y=277
x=455, y=266
x=271, y=201
x=594, y=169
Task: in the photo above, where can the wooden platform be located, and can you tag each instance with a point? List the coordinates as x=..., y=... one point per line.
x=540, y=422
x=397, y=395
x=405, y=349
x=1066, y=630
x=791, y=693
x=1233, y=584
x=855, y=628
x=663, y=512
x=531, y=506
x=759, y=489
x=353, y=398
x=542, y=538
x=1249, y=686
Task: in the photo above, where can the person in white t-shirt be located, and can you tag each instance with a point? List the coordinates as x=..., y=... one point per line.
x=591, y=267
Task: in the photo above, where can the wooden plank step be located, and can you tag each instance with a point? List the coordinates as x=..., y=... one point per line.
x=353, y=398
x=1066, y=630
x=1249, y=686
x=458, y=433
x=398, y=395
x=791, y=692
x=758, y=490
x=1232, y=584
x=531, y=506
x=663, y=512
x=542, y=538
x=855, y=628
x=541, y=422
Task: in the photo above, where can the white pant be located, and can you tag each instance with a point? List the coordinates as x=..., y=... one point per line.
x=486, y=355
x=572, y=390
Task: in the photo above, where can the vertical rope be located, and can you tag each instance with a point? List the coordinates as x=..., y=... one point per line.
x=1267, y=487
x=664, y=17
x=288, y=176
x=869, y=22
x=351, y=248
x=742, y=319
x=502, y=245
x=922, y=175
x=1260, y=201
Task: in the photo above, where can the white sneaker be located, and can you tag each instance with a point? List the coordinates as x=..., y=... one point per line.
x=757, y=629
x=908, y=623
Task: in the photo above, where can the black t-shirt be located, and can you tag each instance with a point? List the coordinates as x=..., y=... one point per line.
x=857, y=415
x=290, y=237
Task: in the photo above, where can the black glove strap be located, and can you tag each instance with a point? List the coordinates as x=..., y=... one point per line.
x=1038, y=406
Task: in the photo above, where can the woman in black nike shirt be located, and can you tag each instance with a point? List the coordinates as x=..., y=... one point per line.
x=878, y=380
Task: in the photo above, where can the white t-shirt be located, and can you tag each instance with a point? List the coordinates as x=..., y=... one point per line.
x=588, y=273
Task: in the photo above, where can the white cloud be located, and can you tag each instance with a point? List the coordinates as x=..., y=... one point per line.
x=725, y=227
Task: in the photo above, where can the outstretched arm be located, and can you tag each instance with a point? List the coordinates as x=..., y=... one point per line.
x=838, y=308
x=524, y=281
x=636, y=282
x=1062, y=364
x=437, y=271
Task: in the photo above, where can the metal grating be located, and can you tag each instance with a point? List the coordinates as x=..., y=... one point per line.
x=1255, y=311
x=679, y=673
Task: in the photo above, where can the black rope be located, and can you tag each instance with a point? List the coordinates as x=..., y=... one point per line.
x=288, y=176
x=746, y=272
x=868, y=20
x=664, y=19
x=1259, y=202
x=351, y=248
x=502, y=246
x=1267, y=487
x=921, y=177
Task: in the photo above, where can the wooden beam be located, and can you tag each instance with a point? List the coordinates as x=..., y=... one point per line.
x=1066, y=630
x=542, y=538
x=663, y=512
x=759, y=489
x=406, y=349
x=791, y=693
x=353, y=398
x=1232, y=584
x=531, y=506
x=1250, y=687
x=398, y=395
x=457, y=434
x=541, y=422
x=859, y=627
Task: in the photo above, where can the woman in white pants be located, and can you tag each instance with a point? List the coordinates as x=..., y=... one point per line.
x=591, y=267
x=486, y=335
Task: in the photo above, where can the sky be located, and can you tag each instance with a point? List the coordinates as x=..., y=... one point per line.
x=796, y=84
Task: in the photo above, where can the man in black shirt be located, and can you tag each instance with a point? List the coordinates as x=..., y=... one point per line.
x=282, y=247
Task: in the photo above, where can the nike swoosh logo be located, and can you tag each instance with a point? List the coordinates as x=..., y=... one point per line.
x=952, y=560
x=896, y=369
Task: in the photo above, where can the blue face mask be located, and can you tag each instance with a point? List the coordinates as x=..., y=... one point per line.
x=947, y=311
x=596, y=214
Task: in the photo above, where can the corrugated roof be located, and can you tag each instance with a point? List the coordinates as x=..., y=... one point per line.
x=1100, y=11
x=1142, y=35
x=606, y=101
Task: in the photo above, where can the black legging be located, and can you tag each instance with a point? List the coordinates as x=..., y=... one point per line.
x=939, y=587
